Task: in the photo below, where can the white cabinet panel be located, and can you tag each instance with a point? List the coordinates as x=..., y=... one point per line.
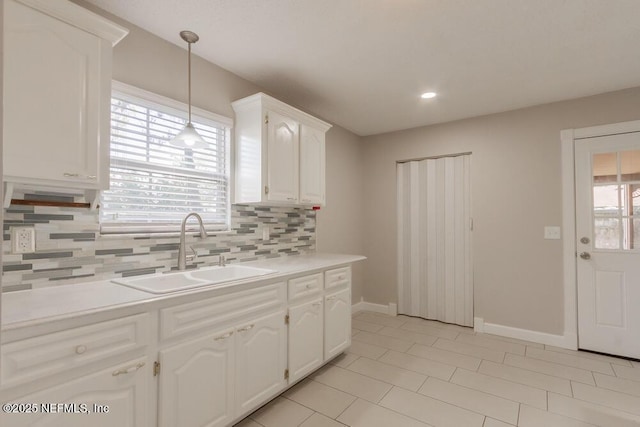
x=123, y=389
x=197, y=382
x=337, y=322
x=57, y=81
x=305, y=338
x=301, y=287
x=261, y=347
x=41, y=356
x=282, y=158
x=312, y=166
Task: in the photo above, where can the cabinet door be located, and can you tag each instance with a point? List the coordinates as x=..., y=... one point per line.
x=282, y=158
x=305, y=338
x=52, y=98
x=312, y=165
x=337, y=322
x=118, y=396
x=196, y=382
x=261, y=347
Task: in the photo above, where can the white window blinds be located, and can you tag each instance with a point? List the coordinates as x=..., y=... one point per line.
x=154, y=184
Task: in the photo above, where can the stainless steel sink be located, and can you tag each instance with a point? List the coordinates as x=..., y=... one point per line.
x=174, y=282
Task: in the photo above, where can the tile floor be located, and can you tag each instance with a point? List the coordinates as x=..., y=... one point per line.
x=402, y=371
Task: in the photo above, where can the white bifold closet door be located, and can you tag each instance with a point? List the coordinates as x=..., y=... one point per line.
x=435, y=278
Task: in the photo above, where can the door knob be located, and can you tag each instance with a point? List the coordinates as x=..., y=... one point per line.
x=585, y=255
x=585, y=240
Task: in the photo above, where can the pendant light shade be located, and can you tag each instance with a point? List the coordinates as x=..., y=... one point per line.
x=189, y=137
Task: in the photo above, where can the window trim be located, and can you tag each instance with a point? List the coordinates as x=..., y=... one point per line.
x=179, y=109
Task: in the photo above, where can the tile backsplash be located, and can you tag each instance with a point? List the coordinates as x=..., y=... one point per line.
x=70, y=249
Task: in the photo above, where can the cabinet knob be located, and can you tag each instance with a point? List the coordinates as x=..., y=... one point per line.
x=81, y=349
x=341, y=277
x=71, y=175
x=291, y=198
x=331, y=298
x=317, y=304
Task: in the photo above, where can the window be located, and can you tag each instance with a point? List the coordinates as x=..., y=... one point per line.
x=154, y=184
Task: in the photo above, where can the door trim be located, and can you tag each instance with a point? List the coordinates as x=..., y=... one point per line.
x=570, y=283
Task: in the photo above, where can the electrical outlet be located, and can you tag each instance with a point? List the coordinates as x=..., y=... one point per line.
x=23, y=240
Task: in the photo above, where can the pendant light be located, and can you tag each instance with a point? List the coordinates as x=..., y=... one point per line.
x=189, y=137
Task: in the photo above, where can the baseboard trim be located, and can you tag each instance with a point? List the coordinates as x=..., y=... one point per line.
x=376, y=308
x=479, y=325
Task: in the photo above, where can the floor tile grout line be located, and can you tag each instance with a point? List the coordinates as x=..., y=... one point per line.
x=544, y=373
x=521, y=383
x=460, y=407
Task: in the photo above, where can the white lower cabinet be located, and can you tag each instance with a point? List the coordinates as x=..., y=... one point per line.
x=211, y=380
x=261, y=360
x=218, y=358
x=305, y=338
x=337, y=322
x=197, y=382
x=116, y=396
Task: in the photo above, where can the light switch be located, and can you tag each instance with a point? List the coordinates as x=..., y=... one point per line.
x=552, y=232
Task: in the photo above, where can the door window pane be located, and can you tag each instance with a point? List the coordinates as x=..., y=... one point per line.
x=630, y=165
x=605, y=167
x=606, y=200
x=607, y=233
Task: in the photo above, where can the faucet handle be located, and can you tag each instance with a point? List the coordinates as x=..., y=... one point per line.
x=222, y=261
x=193, y=256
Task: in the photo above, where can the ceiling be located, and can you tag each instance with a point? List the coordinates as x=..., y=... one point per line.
x=363, y=64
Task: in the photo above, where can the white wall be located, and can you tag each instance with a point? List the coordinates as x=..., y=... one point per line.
x=144, y=60
x=515, y=192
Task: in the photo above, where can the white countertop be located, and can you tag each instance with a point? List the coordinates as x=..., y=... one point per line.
x=37, y=306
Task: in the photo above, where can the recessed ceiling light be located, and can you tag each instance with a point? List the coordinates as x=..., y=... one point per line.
x=428, y=95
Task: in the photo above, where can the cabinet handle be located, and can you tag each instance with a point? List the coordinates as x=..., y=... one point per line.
x=91, y=176
x=81, y=349
x=128, y=370
x=317, y=304
x=246, y=328
x=223, y=337
x=331, y=298
x=291, y=198
x=341, y=277
x=309, y=286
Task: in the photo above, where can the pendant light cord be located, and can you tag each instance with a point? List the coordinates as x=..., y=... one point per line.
x=189, y=80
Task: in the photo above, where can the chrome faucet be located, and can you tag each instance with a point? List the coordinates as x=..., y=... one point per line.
x=222, y=261
x=182, y=252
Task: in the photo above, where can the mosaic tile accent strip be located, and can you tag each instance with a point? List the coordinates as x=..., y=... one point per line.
x=70, y=249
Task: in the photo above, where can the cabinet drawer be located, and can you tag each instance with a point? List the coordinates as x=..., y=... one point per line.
x=305, y=286
x=212, y=312
x=337, y=277
x=50, y=354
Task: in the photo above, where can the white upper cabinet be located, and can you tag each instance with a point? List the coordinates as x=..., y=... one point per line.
x=280, y=153
x=282, y=158
x=57, y=91
x=312, y=166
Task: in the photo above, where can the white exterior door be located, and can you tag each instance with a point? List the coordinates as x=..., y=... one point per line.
x=608, y=243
